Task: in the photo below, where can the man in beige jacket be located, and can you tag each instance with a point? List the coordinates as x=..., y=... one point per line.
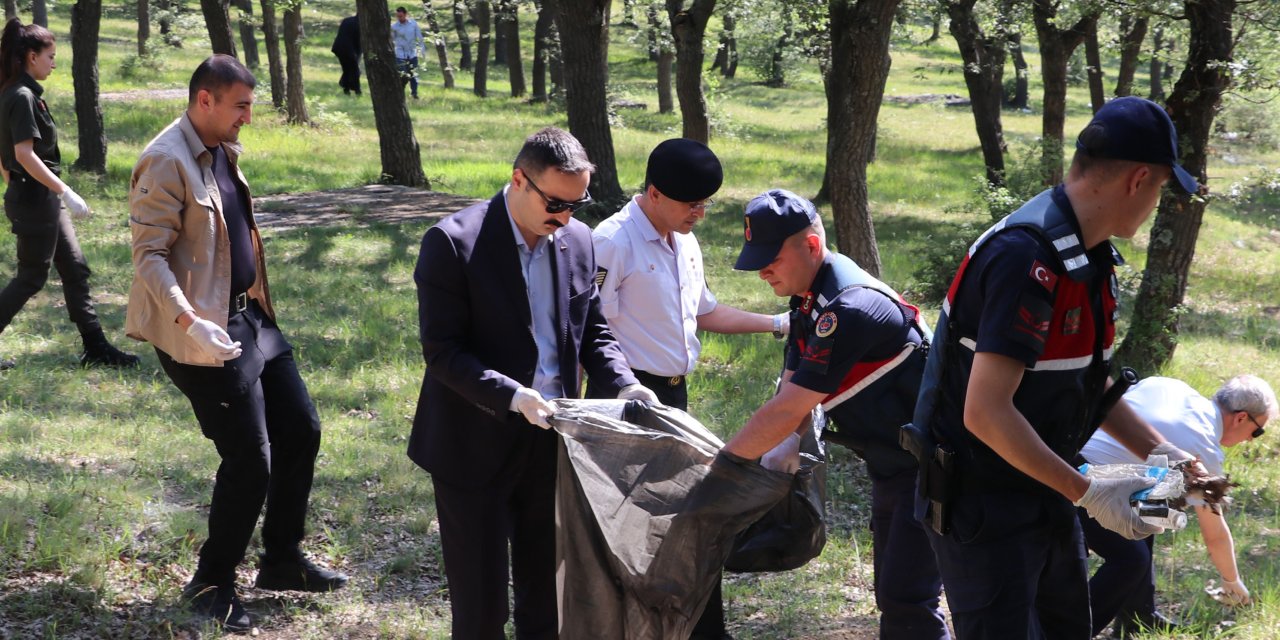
x=200, y=297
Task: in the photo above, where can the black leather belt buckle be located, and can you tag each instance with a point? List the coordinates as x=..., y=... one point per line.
x=240, y=302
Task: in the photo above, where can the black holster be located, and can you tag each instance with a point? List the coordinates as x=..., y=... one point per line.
x=936, y=481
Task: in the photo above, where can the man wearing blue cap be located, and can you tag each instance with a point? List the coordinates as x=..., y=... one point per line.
x=654, y=293
x=1013, y=385
x=857, y=349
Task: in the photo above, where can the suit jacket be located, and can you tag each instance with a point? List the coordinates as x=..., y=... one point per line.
x=477, y=340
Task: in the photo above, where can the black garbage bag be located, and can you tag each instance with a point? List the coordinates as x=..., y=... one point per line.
x=646, y=513
x=794, y=531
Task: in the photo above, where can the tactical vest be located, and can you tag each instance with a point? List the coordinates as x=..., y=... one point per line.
x=1059, y=394
x=877, y=396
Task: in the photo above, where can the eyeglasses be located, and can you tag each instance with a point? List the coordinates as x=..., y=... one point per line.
x=1257, y=433
x=701, y=205
x=556, y=205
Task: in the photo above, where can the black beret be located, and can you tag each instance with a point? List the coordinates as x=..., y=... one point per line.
x=685, y=170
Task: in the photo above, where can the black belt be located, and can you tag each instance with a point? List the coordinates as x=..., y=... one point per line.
x=240, y=302
x=650, y=378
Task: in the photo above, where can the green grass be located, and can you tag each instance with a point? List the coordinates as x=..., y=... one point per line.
x=105, y=478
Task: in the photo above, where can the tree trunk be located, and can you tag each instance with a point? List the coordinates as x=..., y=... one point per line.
x=855, y=86
x=464, y=40
x=629, y=13
x=296, y=95
x=653, y=41
x=437, y=37
x=1021, y=72
x=480, y=79
x=144, y=24
x=688, y=28
x=86, y=17
x=1157, y=65
x=166, y=19
x=499, y=32
x=983, y=57
x=1133, y=30
x=541, y=51
x=248, y=37
x=218, y=22
x=730, y=69
x=555, y=66
x=665, y=58
x=936, y=24
x=1196, y=99
x=271, y=34
x=1097, y=94
x=11, y=9
x=40, y=13
x=1056, y=46
x=586, y=80
x=515, y=67
x=401, y=159
x=776, y=76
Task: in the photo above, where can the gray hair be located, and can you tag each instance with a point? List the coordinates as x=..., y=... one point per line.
x=1247, y=393
x=552, y=148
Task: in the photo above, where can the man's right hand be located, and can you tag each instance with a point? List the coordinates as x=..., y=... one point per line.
x=1234, y=593
x=1108, y=501
x=533, y=407
x=213, y=340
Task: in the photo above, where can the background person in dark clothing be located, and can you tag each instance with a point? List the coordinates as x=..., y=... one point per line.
x=30, y=163
x=200, y=296
x=346, y=45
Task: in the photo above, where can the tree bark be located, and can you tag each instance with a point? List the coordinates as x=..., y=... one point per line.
x=983, y=57
x=40, y=13
x=296, y=95
x=271, y=34
x=1021, y=72
x=515, y=67
x=777, y=76
x=499, y=33
x=218, y=22
x=1097, y=93
x=653, y=40
x=541, y=51
x=248, y=37
x=464, y=40
x=1056, y=46
x=1196, y=99
x=688, y=29
x=665, y=59
x=86, y=18
x=166, y=20
x=480, y=78
x=144, y=24
x=11, y=9
x=1157, y=65
x=730, y=68
x=437, y=37
x=586, y=79
x=855, y=86
x=398, y=147
x=1133, y=30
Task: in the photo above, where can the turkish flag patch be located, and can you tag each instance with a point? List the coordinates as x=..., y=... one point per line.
x=1043, y=275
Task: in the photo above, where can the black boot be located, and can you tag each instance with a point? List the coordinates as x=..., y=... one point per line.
x=294, y=572
x=99, y=353
x=218, y=603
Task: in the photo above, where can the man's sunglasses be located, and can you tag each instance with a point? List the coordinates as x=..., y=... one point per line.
x=556, y=205
x=1257, y=433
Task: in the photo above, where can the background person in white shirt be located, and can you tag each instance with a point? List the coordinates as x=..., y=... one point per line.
x=407, y=37
x=1123, y=588
x=654, y=293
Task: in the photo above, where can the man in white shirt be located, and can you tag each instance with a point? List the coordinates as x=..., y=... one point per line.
x=406, y=36
x=654, y=293
x=1124, y=585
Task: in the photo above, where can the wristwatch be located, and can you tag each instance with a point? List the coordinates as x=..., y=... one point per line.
x=777, y=326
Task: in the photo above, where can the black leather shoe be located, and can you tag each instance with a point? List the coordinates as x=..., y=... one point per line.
x=1144, y=622
x=297, y=574
x=105, y=355
x=220, y=604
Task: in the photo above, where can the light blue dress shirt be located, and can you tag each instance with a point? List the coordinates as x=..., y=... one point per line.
x=406, y=37
x=540, y=284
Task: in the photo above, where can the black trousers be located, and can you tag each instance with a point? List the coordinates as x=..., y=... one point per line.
x=350, y=79
x=476, y=525
x=258, y=414
x=1125, y=582
x=46, y=238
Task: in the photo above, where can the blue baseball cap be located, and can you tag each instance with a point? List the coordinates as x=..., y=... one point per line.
x=1135, y=129
x=770, y=219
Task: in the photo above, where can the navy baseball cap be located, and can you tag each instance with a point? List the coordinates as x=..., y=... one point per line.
x=684, y=170
x=1136, y=129
x=771, y=218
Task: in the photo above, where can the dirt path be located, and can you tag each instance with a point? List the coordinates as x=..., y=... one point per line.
x=370, y=204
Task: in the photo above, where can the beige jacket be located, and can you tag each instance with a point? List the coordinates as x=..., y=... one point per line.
x=181, y=251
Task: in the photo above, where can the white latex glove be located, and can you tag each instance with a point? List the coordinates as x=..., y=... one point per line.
x=213, y=340
x=638, y=391
x=1234, y=594
x=1107, y=501
x=74, y=203
x=783, y=322
x=785, y=457
x=533, y=407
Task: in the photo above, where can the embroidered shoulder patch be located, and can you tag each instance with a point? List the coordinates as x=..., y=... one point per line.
x=1043, y=275
x=601, y=274
x=826, y=324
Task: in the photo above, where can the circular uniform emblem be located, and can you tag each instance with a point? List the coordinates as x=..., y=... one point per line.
x=826, y=324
